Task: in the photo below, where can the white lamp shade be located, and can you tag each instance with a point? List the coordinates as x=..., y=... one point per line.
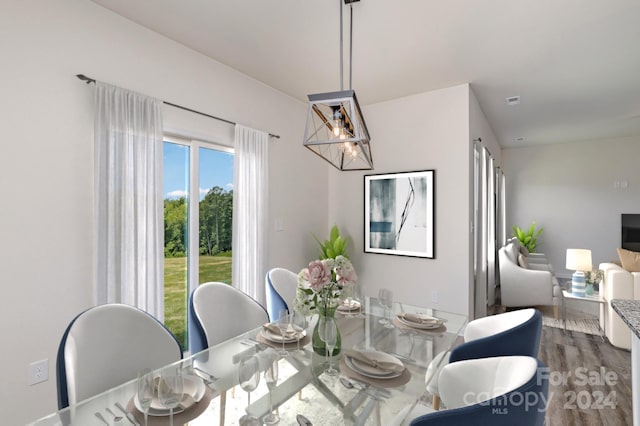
x=579, y=259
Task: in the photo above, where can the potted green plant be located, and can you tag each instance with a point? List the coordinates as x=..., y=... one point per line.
x=528, y=238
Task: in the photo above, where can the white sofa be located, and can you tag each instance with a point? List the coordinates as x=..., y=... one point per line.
x=617, y=284
x=531, y=286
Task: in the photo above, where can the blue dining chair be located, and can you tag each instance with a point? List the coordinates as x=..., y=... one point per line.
x=499, y=391
x=280, y=288
x=105, y=346
x=510, y=333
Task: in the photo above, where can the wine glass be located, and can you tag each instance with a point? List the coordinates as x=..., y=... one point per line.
x=330, y=337
x=145, y=392
x=348, y=300
x=283, y=325
x=170, y=389
x=299, y=322
x=358, y=297
x=388, y=302
x=271, y=378
x=383, y=295
x=248, y=378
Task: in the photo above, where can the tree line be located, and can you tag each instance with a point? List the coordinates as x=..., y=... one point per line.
x=216, y=213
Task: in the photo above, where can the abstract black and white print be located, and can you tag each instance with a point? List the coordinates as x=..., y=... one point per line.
x=399, y=213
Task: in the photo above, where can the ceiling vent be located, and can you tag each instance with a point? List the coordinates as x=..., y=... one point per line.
x=513, y=100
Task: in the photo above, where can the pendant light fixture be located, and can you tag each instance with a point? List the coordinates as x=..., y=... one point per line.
x=335, y=128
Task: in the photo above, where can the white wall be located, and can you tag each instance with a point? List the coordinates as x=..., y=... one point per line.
x=420, y=132
x=568, y=189
x=46, y=166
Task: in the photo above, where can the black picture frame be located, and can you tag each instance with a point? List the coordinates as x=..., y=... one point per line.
x=399, y=213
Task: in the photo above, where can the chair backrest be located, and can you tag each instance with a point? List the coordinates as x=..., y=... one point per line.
x=221, y=312
x=280, y=286
x=511, y=333
x=497, y=391
x=106, y=346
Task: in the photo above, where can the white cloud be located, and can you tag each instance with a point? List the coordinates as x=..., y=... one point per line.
x=176, y=194
x=229, y=186
x=203, y=191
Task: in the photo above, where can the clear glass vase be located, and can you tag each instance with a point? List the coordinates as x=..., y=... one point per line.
x=317, y=342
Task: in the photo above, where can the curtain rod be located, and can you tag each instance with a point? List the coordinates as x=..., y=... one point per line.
x=89, y=80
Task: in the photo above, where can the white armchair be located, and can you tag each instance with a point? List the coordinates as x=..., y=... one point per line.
x=532, y=286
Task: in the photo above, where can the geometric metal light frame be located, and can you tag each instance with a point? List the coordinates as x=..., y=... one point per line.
x=347, y=148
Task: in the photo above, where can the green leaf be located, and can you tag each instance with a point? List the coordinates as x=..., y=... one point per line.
x=335, y=233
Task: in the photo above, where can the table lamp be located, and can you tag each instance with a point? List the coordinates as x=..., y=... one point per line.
x=579, y=260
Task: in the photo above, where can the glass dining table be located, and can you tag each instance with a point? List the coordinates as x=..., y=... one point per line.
x=303, y=391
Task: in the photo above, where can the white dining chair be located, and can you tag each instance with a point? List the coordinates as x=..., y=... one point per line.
x=220, y=312
x=106, y=346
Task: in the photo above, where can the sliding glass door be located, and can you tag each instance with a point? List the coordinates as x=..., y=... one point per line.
x=198, y=211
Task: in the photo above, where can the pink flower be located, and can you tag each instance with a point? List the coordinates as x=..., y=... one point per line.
x=345, y=273
x=318, y=274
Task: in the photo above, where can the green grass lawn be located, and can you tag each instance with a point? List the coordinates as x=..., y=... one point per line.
x=212, y=268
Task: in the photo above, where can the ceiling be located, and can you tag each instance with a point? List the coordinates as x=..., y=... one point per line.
x=574, y=63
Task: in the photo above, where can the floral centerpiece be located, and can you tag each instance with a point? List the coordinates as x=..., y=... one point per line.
x=319, y=291
x=321, y=283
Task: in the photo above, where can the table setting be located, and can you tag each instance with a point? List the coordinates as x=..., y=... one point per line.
x=374, y=367
x=420, y=323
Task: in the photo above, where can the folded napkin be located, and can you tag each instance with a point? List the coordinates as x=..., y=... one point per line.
x=273, y=328
x=381, y=365
x=420, y=319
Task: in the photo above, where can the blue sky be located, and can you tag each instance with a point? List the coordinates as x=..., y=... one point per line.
x=216, y=169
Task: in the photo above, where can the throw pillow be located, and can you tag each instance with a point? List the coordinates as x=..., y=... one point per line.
x=524, y=250
x=522, y=261
x=630, y=260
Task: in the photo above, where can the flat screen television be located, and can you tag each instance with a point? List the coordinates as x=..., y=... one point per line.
x=631, y=232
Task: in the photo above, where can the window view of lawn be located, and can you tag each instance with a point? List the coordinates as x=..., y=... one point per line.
x=212, y=268
x=211, y=232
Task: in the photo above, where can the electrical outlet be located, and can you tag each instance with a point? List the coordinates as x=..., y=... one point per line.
x=434, y=296
x=38, y=371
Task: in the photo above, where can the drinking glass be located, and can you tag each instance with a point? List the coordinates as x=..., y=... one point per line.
x=388, y=301
x=330, y=337
x=283, y=325
x=145, y=392
x=358, y=297
x=383, y=295
x=299, y=323
x=271, y=378
x=170, y=389
x=348, y=300
x=248, y=378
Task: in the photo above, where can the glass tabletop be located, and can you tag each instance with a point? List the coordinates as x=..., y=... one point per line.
x=354, y=397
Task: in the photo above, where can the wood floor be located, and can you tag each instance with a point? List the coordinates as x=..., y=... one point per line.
x=590, y=380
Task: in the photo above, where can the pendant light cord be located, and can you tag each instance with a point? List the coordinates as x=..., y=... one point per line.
x=350, y=44
x=341, y=53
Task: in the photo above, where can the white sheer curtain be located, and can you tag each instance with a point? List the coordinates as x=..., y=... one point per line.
x=489, y=227
x=129, y=206
x=250, y=186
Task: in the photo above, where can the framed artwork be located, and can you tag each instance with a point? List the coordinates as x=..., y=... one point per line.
x=399, y=213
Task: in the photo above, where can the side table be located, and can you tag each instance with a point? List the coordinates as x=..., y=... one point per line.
x=594, y=298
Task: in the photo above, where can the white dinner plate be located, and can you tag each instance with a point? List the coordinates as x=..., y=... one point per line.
x=421, y=326
x=348, y=307
x=192, y=392
x=269, y=335
x=373, y=372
